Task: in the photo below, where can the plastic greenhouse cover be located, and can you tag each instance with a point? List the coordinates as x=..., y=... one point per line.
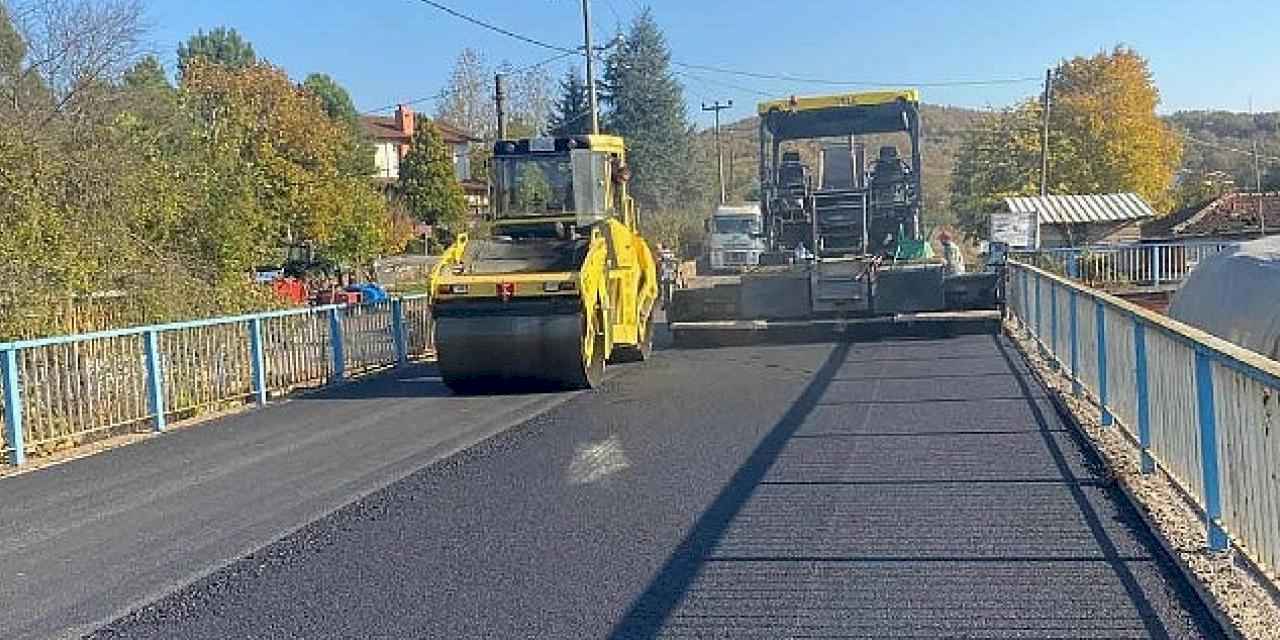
x=1235, y=295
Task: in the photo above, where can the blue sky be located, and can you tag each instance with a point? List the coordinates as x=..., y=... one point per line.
x=1203, y=55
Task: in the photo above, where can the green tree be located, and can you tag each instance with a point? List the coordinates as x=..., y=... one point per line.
x=357, y=156
x=428, y=183
x=647, y=107
x=221, y=46
x=147, y=75
x=334, y=98
x=570, y=115
x=274, y=161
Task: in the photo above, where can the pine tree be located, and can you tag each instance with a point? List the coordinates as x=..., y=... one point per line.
x=646, y=106
x=571, y=114
x=428, y=183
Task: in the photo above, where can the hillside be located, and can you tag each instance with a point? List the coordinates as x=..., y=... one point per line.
x=1213, y=143
x=1222, y=141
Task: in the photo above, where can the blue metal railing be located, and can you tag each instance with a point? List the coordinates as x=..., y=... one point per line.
x=1137, y=265
x=66, y=389
x=1201, y=410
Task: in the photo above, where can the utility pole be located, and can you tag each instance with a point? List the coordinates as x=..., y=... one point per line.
x=591, y=68
x=1257, y=172
x=717, y=107
x=500, y=100
x=1044, y=140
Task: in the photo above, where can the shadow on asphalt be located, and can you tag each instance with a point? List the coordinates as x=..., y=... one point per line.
x=651, y=611
x=1139, y=599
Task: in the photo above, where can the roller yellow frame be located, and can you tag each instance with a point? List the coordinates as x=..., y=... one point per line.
x=564, y=284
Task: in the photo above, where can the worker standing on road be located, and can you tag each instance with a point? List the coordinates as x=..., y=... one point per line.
x=952, y=259
x=668, y=274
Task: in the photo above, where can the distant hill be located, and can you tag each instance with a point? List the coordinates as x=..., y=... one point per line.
x=1214, y=141
x=1222, y=141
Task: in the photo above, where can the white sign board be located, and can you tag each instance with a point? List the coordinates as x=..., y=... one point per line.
x=1018, y=230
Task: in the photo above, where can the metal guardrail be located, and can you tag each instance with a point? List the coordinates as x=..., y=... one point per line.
x=1137, y=265
x=1202, y=410
x=70, y=388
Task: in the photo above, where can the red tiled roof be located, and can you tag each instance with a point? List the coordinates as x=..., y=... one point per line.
x=1231, y=214
x=384, y=129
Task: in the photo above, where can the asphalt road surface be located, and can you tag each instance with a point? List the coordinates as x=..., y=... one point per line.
x=888, y=489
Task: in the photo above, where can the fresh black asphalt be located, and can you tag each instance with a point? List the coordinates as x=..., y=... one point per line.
x=887, y=489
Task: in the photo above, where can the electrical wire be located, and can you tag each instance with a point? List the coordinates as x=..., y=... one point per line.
x=1222, y=147
x=850, y=83
x=435, y=96
x=497, y=29
x=737, y=72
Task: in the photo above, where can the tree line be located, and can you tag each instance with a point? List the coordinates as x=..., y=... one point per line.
x=116, y=181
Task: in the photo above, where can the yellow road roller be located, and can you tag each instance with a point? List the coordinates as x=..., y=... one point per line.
x=560, y=285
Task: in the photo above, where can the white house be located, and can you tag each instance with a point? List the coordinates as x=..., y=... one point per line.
x=391, y=137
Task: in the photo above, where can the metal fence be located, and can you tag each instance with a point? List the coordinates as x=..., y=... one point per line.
x=69, y=389
x=1202, y=410
x=1136, y=265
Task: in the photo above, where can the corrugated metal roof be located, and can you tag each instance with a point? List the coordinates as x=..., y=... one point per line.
x=1109, y=207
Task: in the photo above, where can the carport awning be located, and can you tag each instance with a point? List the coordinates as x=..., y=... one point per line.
x=1110, y=207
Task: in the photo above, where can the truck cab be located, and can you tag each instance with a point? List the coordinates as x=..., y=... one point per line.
x=735, y=238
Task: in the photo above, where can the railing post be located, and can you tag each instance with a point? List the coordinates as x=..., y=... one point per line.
x=1144, y=397
x=1100, y=328
x=1053, y=325
x=1039, y=321
x=155, y=378
x=1209, y=450
x=1155, y=265
x=397, y=331
x=1075, y=346
x=337, y=348
x=1026, y=302
x=259, y=361
x=12, y=387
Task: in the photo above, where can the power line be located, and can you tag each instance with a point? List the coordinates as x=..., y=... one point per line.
x=737, y=72
x=436, y=96
x=497, y=29
x=529, y=67
x=863, y=83
x=730, y=85
x=1222, y=147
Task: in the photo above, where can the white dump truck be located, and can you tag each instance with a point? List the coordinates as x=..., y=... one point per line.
x=735, y=238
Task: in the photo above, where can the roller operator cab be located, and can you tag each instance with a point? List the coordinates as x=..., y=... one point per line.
x=562, y=284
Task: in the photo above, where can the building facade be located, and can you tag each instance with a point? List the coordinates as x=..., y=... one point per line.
x=391, y=137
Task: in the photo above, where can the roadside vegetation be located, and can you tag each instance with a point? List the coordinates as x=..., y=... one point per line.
x=154, y=200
